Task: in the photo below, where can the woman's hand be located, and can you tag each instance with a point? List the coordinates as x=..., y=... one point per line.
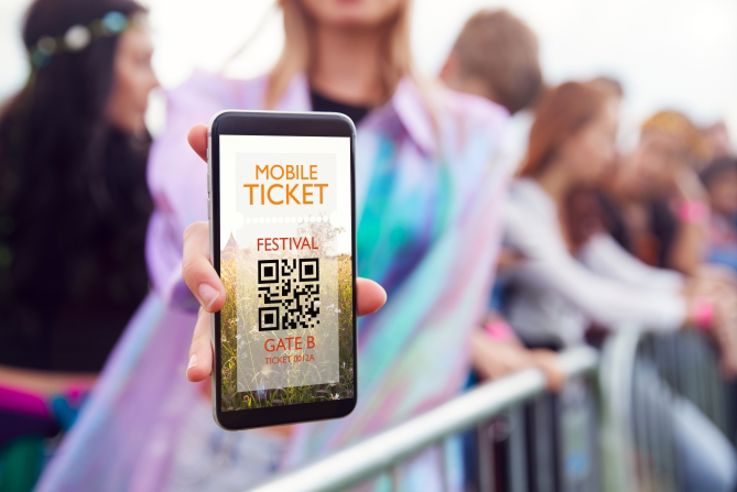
x=494, y=359
x=205, y=284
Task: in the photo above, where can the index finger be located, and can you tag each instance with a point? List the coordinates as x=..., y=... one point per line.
x=197, y=139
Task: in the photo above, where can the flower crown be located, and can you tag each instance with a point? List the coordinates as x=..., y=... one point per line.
x=78, y=37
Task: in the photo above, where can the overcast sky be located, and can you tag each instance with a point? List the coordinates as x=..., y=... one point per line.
x=668, y=53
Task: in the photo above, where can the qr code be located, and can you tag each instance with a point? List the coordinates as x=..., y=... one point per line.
x=289, y=291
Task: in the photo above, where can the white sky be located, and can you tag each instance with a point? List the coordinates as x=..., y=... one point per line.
x=668, y=53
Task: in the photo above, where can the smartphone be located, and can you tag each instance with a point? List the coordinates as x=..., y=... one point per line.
x=282, y=233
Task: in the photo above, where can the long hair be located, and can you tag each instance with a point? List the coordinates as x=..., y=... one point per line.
x=298, y=56
x=73, y=193
x=564, y=111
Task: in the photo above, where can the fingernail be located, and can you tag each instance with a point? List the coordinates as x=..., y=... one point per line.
x=208, y=295
x=192, y=361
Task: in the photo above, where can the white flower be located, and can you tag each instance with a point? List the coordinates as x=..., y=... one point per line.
x=77, y=38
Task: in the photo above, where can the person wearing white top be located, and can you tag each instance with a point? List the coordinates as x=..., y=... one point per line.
x=603, y=284
x=563, y=281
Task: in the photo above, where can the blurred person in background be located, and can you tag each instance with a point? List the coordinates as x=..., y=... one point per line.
x=74, y=206
x=718, y=142
x=657, y=207
x=720, y=180
x=572, y=145
x=496, y=56
x=428, y=191
x=576, y=279
x=610, y=86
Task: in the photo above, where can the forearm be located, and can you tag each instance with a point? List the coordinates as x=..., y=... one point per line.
x=689, y=248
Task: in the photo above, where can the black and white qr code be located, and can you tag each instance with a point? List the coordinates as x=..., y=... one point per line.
x=289, y=293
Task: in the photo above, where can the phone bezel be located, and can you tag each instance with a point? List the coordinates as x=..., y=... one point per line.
x=276, y=124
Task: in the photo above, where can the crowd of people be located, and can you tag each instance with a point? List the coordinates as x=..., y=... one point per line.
x=488, y=265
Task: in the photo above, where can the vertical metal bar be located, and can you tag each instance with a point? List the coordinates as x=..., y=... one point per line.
x=666, y=430
x=636, y=411
x=647, y=425
x=438, y=452
x=517, y=456
x=448, y=448
x=714, y=386
x=576, y=416
x=545, y=459
x=595, y=481
x=485, y=457
x=699, y=395
x=394, y=477
x=660, y=370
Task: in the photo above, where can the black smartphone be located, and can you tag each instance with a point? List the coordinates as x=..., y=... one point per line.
x=282, y=232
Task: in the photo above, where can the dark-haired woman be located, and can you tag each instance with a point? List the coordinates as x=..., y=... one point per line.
x=74, y=207
x=569, y=279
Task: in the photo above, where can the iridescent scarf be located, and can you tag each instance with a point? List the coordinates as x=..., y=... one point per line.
x=429, y=196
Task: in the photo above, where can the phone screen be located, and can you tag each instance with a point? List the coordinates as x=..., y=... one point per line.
x=285, y=258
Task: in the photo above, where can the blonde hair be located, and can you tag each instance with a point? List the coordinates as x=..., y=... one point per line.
x=298, y=56
x=693, y=146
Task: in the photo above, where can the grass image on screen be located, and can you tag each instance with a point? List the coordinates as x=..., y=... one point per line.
x=286, y=330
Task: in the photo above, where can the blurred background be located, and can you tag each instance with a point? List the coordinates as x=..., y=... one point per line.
x=667, y=53
x=605, y=281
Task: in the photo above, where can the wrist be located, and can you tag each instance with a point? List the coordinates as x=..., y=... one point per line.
x=692, y=211
x=702, y=313
x=499, y=330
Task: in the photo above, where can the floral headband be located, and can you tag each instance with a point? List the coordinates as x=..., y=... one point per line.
x=78, y=37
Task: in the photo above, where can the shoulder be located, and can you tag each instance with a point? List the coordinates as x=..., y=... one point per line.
x=199, y=98
x=467, y=118
x=211, y=91
x=437, y=118
x=193, y=102
x=461, y=106
x=473, y=127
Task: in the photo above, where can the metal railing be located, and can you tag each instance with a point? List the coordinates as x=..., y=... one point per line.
x=618, y=408
x=661, y=394
x=383, y=453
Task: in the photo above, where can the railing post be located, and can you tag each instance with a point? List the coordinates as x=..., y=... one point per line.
x=615, y=379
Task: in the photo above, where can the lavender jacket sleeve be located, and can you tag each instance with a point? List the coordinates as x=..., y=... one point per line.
x=178, y=177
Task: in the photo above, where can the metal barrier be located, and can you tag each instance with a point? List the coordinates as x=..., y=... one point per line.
x=661, y=394
x=383, y=453
x=526, y=439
